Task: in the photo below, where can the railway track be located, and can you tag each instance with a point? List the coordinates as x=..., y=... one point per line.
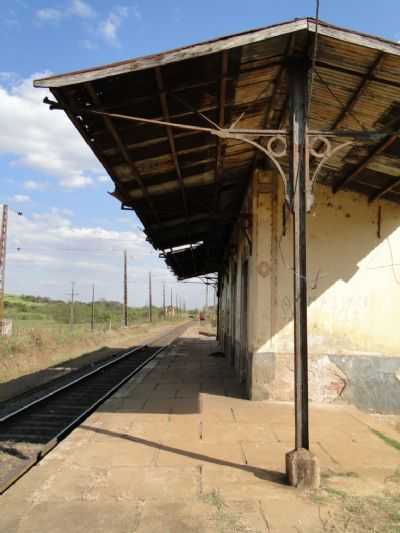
x=29, y=432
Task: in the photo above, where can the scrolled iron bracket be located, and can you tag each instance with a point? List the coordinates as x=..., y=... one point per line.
x=320, y=147
x=324, y=153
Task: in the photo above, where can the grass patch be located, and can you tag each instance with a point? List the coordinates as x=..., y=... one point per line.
x=394, y=478
x=214, y=498
x=358, y=514
x=387, y=440
x=331, y=473
x=224, y=520
x=341, y=512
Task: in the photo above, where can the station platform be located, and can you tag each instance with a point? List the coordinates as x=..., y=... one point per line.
x=177, y=449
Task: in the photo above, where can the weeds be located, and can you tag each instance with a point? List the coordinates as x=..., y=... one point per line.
x=341, y=512
x=387, y=440
x=225, y=521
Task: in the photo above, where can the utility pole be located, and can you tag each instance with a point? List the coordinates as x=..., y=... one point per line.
x=3, y=247
x=206, y=305
x=164, y=313
x=125, y=290
x=71, y=317
x=150, y=302
x=172, y=310
x=92, y=320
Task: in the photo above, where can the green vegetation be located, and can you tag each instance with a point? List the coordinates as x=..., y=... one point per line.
x=223, y=518
x=342, y=512
x=361, y=514
x=387, y=440
x=35, y=311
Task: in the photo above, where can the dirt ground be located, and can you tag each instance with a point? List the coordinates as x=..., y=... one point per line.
x=177, y=449
x=22, y=372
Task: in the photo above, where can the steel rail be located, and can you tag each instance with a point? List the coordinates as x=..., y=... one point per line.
x=98, y=368
x=20, y=469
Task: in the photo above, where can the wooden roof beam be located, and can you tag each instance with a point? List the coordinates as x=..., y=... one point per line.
x=178, y=221
x=171, y=140
x=122, y=149
x=381, y=193
x=285, y=108
x=348, y=108
x=364, y=164
x=279, y=82
x=344, y=70
x=221, y=119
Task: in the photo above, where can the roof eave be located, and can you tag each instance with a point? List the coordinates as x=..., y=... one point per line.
x=172, y=56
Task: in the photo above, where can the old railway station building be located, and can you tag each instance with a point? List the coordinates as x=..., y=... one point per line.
x=270, y=158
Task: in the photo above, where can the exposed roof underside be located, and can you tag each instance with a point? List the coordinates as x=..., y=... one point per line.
x=187, y=186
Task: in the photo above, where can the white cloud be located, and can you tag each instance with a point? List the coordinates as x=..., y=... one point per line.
x=82, y=9
x=89, y=45
x=110, y=26
x=34, y=185
x=104, y=179
x=44, y=140
x=20, y=199
x=48, y=250
x=136, y=12
x=51, y=246
x=77, y=8
x=49, y=14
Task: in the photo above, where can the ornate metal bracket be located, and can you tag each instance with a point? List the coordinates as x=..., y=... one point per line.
x=317, y=146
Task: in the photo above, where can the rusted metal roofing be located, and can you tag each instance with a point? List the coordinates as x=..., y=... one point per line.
x=187, y=186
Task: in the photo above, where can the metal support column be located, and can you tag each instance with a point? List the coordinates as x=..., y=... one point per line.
x=298, y=178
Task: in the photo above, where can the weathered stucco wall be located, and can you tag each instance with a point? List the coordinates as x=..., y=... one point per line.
x=353, y=278
x=353, y=287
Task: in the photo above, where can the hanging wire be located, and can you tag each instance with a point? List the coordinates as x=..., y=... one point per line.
x=314, y=58
x=310, y=90
x=342, y=104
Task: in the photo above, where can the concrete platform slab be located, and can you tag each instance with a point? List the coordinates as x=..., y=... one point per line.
x=81, y=517
x=173, y=451
x=149, y=483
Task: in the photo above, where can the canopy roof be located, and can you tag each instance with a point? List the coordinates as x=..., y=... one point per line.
x=186, y=186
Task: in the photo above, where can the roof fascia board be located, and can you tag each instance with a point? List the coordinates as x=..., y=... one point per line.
x=352, y=37
x=174, y=56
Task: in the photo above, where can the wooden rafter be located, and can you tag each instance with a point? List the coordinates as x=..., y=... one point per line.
x=279, y=80
x=343, y=70
x=348, y=108
x=364, y=164
x=221, y=121
x=122, y=149
x=171, y=140
x=381, y=193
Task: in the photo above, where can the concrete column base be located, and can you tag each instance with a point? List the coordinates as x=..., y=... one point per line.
x=302, y=468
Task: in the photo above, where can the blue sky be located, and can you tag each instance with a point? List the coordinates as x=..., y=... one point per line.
x=71, y=228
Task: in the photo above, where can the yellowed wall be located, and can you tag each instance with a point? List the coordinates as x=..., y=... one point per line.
x=353, y=276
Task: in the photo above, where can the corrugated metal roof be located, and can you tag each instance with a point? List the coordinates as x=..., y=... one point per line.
x=187, y=186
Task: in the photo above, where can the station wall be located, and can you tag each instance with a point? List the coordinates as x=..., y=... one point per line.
x=353, y=297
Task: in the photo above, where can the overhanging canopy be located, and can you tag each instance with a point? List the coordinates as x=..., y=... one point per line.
x=187, y=186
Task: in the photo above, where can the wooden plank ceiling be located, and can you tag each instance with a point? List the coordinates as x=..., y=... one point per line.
x=187, y=186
